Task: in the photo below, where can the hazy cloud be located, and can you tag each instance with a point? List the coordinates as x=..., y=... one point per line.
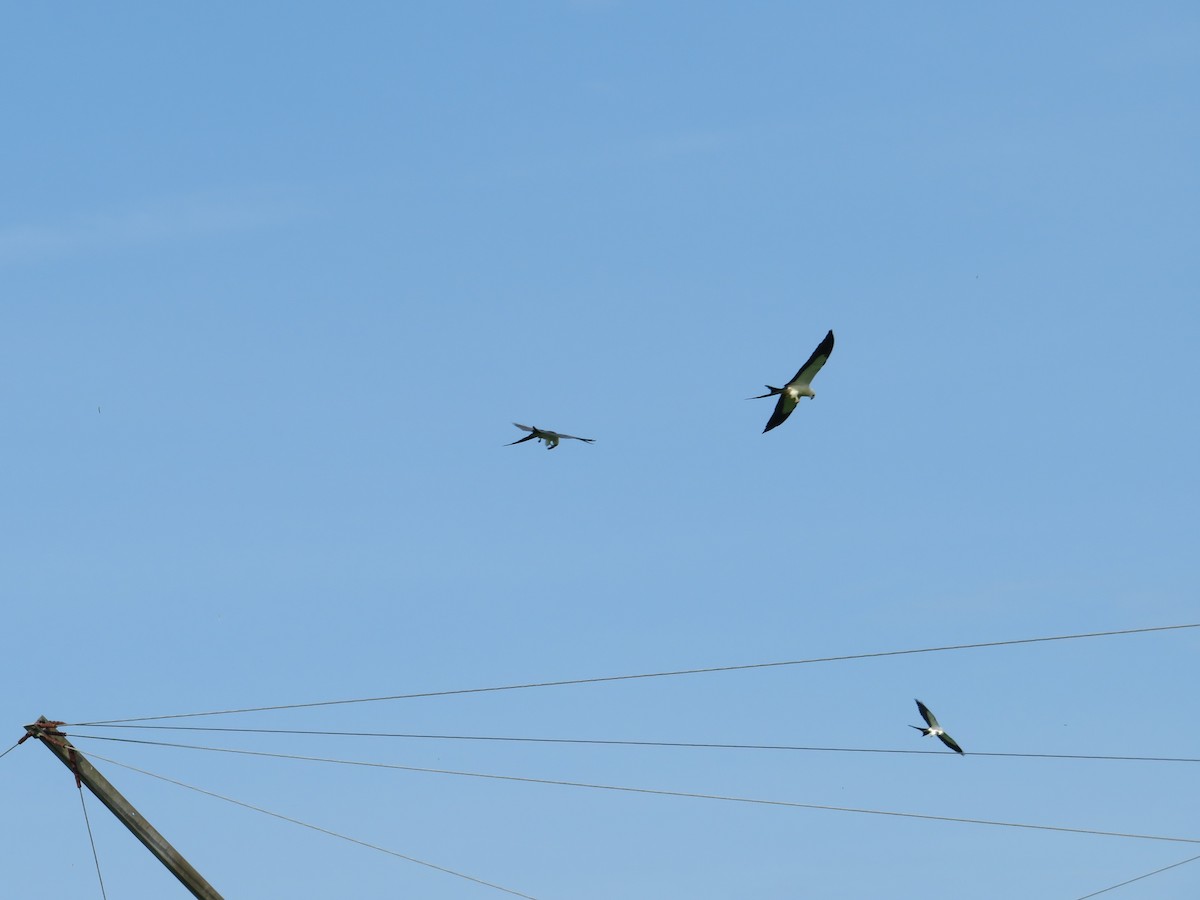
x=162, y=221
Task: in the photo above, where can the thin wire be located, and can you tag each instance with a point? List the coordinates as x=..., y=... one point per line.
x=317, y=828
x=10, y=750
x=609, y=678
x=1139, y=878
x=615, y=743
x=92, y=840
x=664, y=793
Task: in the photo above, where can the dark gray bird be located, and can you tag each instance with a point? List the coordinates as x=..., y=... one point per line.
x=551, y=438
x=799, y=386
x=934, y=728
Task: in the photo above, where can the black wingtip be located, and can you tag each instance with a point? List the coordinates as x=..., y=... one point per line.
x=825, y=348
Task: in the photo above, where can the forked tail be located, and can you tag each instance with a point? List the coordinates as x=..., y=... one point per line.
x=773, y=392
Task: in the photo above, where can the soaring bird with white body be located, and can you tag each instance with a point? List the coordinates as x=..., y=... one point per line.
x=934, y=728
x=551, y=438
x=799, y=386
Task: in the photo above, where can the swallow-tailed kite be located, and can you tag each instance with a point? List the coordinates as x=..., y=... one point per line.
x=934, y=728
x=799, y=386
x=550, y=437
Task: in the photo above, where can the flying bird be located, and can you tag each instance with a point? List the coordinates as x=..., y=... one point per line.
x=934, y=728
x=799, y=386
x=550, y=437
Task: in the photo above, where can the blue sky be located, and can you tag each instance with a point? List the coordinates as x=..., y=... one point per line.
x=277, y=279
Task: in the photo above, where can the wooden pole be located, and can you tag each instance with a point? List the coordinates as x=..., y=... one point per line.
x=47, y=732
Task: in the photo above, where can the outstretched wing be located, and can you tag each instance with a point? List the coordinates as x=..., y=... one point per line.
x=528, y=437
x=949, y=742
x=930, y=718
x=813, y=366
x=573, y=438
x=783, y=409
